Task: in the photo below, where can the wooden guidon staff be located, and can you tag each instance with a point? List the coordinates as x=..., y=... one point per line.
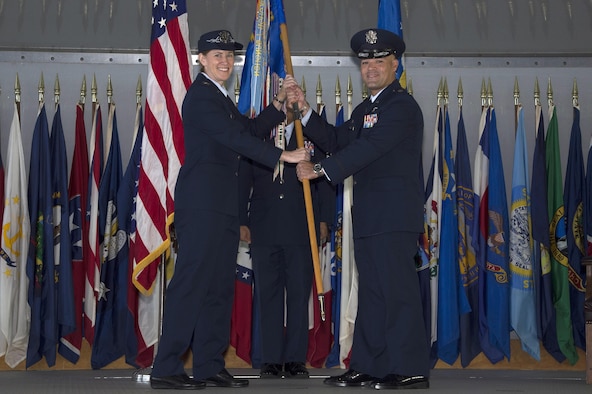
x=312, y=233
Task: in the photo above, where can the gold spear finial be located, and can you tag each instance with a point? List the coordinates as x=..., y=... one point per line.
x=549, y=93
x=483, y=93
x=440, y=92
x=409, y=86
x=319, y=92
x=56, y=90
x=537, y=93
x=445, y=91
x=109, y=90
x=516, y=92
x=489, y=93
x=93, y=89
x=350, y=88
x=41, y=88
x=337, y=92
x=575, y=94
x=460, y=93
x=17, y=89
x=139, y=90
x=82, y=100
x=303, y=87
x=350, y=95
x=236, y=89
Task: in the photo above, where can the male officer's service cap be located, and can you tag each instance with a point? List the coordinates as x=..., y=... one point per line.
x=217, y=39
x=376, y=43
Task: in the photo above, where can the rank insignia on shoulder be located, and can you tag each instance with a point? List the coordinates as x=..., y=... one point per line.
x=370, y=120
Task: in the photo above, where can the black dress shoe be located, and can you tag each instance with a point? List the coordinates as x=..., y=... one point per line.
x=271, y=371
x=398, y=382
x=178, y=382
x=296, y=370
x=350, y=379
x=225, y=379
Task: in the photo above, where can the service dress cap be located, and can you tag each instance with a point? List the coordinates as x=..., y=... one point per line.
x=217, y=39
x=376, y=43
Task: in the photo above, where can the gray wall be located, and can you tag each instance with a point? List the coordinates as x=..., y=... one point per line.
x=469, y=39
x=468, y=27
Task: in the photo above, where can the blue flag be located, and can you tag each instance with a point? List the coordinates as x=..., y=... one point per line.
x=126, y=217
x=541, y=269
x=497, y=287
x=336, y=267
x=109, y=341
x=389, y=18
x=43, y=335
x=480, y=236
x=449, y=297
x=469, y=321
x=576, y=240
x=522, y=306
x=61, y=236
x=264, y=57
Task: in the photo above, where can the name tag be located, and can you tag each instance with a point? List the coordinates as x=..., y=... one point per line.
x=370, y=120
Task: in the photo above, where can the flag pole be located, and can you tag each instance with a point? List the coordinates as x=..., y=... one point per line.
x=305, y=182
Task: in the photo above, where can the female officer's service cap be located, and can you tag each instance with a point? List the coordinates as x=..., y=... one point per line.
x=376, y=43
x=217, y=39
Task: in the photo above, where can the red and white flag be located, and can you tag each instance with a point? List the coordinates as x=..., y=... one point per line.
x=92, y=252
x=163, y=152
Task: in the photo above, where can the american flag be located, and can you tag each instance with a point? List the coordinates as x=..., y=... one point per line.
x=169, y=76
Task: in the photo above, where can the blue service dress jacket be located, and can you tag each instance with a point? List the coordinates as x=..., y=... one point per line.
x=217, y=135
x=376, y=146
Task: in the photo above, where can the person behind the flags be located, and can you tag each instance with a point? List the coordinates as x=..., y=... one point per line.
x=15, y=312
x=43, y=335
x=264, y=66
x=169, y=75
x=522, y=296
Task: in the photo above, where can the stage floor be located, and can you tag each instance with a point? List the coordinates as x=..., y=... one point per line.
x=441, y=381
